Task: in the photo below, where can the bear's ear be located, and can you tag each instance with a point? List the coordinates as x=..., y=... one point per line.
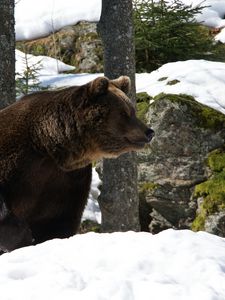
x=99, y=86
x=123, y=83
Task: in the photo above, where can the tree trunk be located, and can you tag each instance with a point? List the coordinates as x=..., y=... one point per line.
x=119, y=201
x=7, y=53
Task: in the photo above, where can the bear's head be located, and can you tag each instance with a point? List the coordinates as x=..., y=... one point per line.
x=108, y=119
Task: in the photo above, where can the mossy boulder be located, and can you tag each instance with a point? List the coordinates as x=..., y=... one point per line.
x=186, y=131
x=210, y=195
x=77, y=45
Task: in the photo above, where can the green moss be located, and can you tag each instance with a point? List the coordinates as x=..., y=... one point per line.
x=199, y=223
x=142, y=109
x=87, y=38
x=147, y=186
x=204, y=116
x=88, y=225
x=173, y=82
x=216, y=160
x=143, y=103
x=180, y=98
x=212, y=191
x=143, y=97
x=32, y=47
x=38, y=49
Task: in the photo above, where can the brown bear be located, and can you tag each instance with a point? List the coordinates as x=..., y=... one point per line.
x=47, y=143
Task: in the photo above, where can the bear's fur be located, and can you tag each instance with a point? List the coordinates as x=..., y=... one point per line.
x=47, y=143
x=14, y=233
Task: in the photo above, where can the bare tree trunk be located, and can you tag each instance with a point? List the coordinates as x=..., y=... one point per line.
x=119, y=197
x=7, y=53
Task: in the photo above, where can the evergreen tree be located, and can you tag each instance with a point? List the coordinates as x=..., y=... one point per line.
x=168, y=31
x=27, y=81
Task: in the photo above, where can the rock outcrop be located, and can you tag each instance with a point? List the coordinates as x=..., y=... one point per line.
x=77, y=45
x=172, y=169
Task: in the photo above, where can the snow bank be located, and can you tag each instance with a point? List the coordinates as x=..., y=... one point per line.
x=35, y=19
x=172, y=265
x=43, y=64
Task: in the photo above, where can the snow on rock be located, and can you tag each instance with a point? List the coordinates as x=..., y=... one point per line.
x=42, y=64
x=35, y=19
x=204, y=80
x=171, y=265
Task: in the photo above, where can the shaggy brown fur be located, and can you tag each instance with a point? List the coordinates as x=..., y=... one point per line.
x=47, y=143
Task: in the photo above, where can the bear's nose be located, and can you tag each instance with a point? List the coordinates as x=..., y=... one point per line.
x=149, y=133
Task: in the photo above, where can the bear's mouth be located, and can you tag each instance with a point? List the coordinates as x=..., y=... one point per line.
x=138, y=143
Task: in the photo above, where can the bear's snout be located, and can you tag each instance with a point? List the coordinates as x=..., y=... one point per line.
x=149, y=134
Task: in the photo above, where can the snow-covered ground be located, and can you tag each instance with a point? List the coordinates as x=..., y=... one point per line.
x=172, y=265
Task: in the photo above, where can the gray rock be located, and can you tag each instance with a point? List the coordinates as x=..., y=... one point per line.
x=216, y=224
x=175, y=162
x=77, y=45
x=158, y=222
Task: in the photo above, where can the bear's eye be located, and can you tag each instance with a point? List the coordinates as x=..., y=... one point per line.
x=124, y=114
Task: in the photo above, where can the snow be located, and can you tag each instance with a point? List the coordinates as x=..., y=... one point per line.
x=35, y=19
x=172, y=265
x=212, y=14
x=92, y=211
x=221, y=36
x=47, y=16
x=45, y=65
